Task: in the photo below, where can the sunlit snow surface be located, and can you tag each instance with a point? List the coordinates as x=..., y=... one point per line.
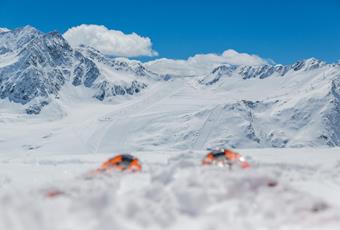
x=286, y=189
x=168, y=126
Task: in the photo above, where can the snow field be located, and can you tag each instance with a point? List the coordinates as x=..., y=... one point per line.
x=173, y=192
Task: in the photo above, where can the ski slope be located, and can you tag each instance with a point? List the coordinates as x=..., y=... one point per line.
x=119, y=126
x=283, y=191
x=136, y=123
x=208, y=126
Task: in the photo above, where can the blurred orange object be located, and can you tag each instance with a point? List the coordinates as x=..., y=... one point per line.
x=123, y=162
x=54, y=193
x=225, y=157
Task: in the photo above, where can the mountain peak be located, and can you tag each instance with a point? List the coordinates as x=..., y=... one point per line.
x=223, y=69
x=18, y=32
x=3, y=30
x=308, y=64
x=27, y=30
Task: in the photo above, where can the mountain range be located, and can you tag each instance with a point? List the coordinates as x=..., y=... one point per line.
x=241, y=106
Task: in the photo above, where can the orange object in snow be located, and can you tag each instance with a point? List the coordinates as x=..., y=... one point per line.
x=124, y=162
x=54, y=193
x=223, y=157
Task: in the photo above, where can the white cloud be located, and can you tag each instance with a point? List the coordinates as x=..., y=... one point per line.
x=110, y=42
x=204, y=63
x=3, y=30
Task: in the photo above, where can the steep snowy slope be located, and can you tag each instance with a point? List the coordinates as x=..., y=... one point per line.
x=118, y=76
x=36, y=66
x=295, y=105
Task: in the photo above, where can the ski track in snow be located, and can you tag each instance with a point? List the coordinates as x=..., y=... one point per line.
x=118, y=128
x=207, y=128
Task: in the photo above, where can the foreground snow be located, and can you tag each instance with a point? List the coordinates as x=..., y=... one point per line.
x=288, y=189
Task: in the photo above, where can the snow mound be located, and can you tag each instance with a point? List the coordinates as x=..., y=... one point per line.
x=180, y=194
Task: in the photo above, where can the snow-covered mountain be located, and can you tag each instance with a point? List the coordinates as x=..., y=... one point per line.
x=295, y=105
x=88, y=96
x=35, y=66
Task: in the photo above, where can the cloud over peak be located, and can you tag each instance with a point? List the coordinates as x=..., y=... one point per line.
x=116, y=43
x=204, y=63
x=235, y=58
x=110, y=42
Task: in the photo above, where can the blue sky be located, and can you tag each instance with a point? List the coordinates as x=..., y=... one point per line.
x=284, y=31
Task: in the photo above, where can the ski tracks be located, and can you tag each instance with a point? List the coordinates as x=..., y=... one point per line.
x=115, y=132
x=207, y=128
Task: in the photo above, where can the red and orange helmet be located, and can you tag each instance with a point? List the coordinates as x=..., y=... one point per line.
x=225, y=157
x=123, y=162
